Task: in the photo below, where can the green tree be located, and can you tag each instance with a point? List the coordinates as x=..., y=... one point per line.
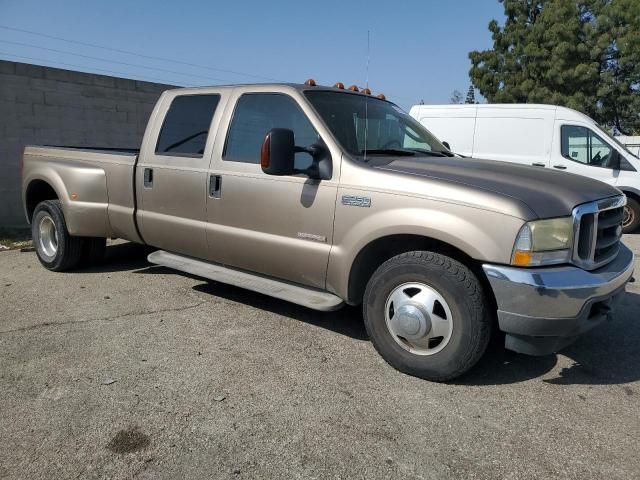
x=471, y=95
x=456, y=97
x=581, y=54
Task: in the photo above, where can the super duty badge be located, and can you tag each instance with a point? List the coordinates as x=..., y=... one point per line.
x=356, y=201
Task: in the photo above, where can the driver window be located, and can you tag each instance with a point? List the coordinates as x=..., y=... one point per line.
x=582, y=145
x=255, y=115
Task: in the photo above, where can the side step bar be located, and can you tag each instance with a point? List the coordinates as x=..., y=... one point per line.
x=301, y=295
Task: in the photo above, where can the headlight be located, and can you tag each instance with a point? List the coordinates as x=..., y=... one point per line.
x=543, y=242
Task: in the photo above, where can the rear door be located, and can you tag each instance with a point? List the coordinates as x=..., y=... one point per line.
x=171, y=176
x=277, y=226
x=581, y=151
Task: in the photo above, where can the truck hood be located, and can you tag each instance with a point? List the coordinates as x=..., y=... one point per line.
x=547, y=193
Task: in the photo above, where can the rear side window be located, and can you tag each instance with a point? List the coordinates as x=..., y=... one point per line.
x=255, y=115
x=186, y=125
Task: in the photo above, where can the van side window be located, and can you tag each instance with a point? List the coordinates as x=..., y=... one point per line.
x=582, y=145
x=255, y=115
x=186, y=126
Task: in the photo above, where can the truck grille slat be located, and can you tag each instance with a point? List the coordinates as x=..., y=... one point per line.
x=597, y=232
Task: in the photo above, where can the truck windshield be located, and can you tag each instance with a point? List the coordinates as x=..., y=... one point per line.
x=362, y=122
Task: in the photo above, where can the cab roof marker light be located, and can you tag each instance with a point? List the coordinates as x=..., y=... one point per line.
x=339, y=85
x=310, y=82
x=354, y=88
x=381, y=96
x=366, y=91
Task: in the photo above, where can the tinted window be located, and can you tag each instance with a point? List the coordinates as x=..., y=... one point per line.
x=362, y=121
x=186, y=125
x=582, y=145
x=255, y=115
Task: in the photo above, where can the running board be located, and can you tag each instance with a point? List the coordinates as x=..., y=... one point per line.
x=305, y=296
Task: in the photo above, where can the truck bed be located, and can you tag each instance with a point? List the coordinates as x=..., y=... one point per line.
x=95, y=185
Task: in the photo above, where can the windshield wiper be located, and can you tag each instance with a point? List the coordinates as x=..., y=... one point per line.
x=432, y=153
x=388, y=151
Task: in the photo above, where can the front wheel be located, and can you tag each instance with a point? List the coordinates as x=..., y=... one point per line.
x=631, y=220
x=57, y=250
x=426, y=315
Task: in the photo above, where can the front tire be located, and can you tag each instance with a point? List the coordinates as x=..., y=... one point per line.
x=57, y=250
x=631, y=216
x=426, y=315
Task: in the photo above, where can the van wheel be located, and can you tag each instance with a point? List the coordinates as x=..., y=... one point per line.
x=56, y=249
x=631, y=216
x=426, y=315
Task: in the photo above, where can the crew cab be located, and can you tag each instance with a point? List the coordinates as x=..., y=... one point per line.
x=325, y=196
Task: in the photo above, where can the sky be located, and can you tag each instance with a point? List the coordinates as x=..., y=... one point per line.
x=418, y=50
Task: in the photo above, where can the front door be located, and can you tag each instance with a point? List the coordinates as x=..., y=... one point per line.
x=171, y=177
x=583, y=152
x=278, y=226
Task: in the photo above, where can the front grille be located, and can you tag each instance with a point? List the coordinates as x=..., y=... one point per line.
x=597, y=230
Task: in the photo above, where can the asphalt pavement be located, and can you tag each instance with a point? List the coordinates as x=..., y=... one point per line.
x=128, y=370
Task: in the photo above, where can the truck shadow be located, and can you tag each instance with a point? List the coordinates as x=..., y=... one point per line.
x=607, y=355
x=119, y=258
x=346, y=321
x=610, y=354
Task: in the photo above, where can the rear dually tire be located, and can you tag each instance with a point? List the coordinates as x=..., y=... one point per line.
x=57, y=250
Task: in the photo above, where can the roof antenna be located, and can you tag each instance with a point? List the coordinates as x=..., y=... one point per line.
x=366, y=100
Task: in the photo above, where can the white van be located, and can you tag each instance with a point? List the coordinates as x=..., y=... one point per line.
x=544, y=136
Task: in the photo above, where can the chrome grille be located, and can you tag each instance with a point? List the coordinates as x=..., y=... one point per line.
x=597, y=227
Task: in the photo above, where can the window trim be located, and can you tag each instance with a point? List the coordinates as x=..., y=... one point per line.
x=223, y=157
x=590, y=133
x=164, y=120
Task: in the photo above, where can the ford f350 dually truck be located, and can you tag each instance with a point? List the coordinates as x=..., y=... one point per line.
x=325, y=196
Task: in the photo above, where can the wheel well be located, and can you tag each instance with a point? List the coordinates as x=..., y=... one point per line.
x=379, y=251
x=633, y=195
x=38, y=191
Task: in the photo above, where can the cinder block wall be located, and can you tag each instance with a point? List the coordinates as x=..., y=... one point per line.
x=50, y=106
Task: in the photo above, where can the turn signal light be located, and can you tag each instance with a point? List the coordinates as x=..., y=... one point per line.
x=339, y=85
x=354, y=88
x=522, y=259
x=310, y=83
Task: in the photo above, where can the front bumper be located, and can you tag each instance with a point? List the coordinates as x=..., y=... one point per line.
x=544, y=309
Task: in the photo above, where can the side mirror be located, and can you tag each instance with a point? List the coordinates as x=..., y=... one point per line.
x=614, y=162
x=277, y=155
x=446, y=144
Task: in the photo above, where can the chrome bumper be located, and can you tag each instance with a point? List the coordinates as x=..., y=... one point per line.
x=544, y=309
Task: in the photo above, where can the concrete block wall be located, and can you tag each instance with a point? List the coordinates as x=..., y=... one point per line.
x=43, y=105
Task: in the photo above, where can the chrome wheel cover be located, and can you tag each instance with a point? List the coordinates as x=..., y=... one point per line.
x=48, y=237
x=418, y=318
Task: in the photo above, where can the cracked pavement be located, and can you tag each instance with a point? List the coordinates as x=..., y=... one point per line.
x=127, y=370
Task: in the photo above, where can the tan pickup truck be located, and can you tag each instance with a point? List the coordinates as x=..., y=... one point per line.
x=324, y=196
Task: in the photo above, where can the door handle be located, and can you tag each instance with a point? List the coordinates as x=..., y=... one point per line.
x=560, y=167
x=539, y=164
x=215, y=186
x=148, y=178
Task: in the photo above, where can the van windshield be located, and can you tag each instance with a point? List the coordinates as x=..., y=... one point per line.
x=362, y=122
x=618, y=142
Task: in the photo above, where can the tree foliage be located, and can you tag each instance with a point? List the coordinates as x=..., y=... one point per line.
x=456, y=97
x=471, y=95
x=581, y=54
